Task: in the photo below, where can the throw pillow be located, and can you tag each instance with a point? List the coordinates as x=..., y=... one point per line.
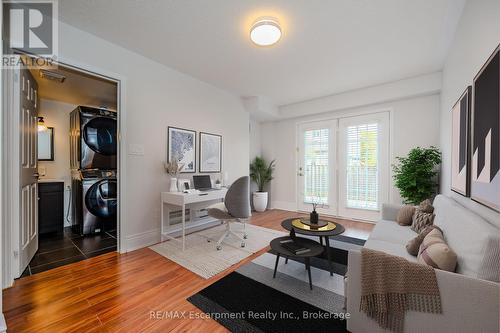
x=421, y=220
x=490, y=265
x=436, y=253
x=405, y=215
x=426, y=206
x=414, y=244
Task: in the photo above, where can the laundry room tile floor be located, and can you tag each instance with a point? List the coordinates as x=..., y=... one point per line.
x=60, y=249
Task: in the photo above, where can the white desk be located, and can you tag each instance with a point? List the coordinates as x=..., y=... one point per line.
x=172, y=201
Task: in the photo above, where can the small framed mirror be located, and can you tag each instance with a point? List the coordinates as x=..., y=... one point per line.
x=46, y=144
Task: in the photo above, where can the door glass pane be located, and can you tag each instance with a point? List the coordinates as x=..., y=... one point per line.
x=362, y=166
x=316, y=177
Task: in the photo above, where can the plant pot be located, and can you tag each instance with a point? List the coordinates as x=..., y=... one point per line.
x=173, y=185
x=260, y=201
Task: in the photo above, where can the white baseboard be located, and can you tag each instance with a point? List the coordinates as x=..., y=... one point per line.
x=292, y=206
x=140, y=240
x=3, y=324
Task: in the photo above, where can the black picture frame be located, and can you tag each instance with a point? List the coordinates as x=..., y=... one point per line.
x=51, y=158
x=463, y=107
x=485, y=118
x=170, y=130
x=201, y=168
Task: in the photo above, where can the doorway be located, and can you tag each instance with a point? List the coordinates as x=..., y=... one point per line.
x=56, y=94
x=343, y=165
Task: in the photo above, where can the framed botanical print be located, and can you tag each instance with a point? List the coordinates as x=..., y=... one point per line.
x=181, y=146
x=210, y=153
x=460, y=143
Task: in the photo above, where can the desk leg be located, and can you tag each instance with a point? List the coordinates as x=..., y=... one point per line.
x=327, y=242
x=183, y=227
x=162, y=219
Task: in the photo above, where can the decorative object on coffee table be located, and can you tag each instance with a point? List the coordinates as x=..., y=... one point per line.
x=313, y=249
x=330, y=230
x=313, y=216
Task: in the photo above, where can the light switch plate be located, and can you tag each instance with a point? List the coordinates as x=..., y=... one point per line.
x=136, y=149
x=42, y=171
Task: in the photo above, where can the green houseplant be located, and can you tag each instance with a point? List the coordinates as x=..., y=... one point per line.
x=261, y=173
x=416, y=174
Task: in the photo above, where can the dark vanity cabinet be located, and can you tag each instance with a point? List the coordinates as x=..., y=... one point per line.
x=50, y=207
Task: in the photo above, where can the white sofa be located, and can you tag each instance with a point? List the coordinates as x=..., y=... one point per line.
x=469, y=304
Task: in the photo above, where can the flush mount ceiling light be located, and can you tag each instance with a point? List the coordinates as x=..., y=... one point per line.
x=265, y=31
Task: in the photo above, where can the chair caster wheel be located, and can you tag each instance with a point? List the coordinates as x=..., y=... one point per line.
x=219, y=247
x=242, y=244
x=245, y=236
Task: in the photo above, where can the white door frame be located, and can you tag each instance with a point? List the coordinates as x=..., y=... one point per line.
x=332, y=161
x=10, y=154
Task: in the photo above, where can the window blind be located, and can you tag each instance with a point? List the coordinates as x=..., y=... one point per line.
x=316, y=175
x=362, y=166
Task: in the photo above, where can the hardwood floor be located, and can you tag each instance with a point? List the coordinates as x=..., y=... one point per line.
x=119, y=293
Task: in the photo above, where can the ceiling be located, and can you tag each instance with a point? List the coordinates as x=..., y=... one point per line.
x=328, y=46
x=78, y=88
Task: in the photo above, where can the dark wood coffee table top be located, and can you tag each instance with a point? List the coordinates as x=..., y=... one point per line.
x=287, y=224
x=315, y=247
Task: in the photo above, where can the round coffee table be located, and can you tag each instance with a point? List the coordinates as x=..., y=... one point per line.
x=287, y=224
x=315, y=249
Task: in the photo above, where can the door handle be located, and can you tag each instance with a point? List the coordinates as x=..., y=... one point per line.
x=36, y=175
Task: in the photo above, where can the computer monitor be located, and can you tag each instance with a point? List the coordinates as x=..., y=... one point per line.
x=202, y=182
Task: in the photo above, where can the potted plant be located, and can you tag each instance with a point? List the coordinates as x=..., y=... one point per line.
x=218, y=184
x=172, y=169
x=416, y=174
x=261, y=173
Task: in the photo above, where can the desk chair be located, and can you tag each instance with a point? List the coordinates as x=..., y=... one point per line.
x=236, y=207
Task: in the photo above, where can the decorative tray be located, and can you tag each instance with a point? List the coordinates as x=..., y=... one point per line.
x=306, y=225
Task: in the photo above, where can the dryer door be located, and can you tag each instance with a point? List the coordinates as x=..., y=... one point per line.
x=99, y=134
x=101, y=198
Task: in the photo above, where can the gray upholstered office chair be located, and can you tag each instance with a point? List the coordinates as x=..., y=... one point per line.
x=236, y=207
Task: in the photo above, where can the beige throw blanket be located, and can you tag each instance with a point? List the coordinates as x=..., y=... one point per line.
x=391, y=285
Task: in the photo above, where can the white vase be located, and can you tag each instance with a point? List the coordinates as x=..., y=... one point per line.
x=173, y=185
x=260, y=201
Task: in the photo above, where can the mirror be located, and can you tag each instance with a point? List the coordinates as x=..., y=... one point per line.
x=46, y=144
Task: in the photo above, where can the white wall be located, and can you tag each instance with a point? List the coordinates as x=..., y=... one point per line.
x=56, y=114
x=157, y=97
x=478, y=34
x=414, y=122
x=255, y=143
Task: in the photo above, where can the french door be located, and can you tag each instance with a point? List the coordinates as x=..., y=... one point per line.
x=364, y=165
x=316, y=166
x=343, y=166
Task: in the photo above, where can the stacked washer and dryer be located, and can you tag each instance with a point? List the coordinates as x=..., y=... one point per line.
x=93, y=155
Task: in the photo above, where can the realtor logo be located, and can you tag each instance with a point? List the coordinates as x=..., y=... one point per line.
x=30, y=27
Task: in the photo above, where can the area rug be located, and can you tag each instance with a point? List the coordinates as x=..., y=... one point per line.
x=250, y=300
x=202, y=257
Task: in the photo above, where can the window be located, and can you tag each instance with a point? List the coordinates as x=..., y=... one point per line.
x=316, y=171
x=362, y=183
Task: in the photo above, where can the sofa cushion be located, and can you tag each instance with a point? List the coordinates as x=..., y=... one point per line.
x=405, y=215
x=426, y=206
x=421, y=220
x=465, y=232
x=490, y=266
x=391, y=248
x=436, y=253
x=390, y=231
x=414, y=244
